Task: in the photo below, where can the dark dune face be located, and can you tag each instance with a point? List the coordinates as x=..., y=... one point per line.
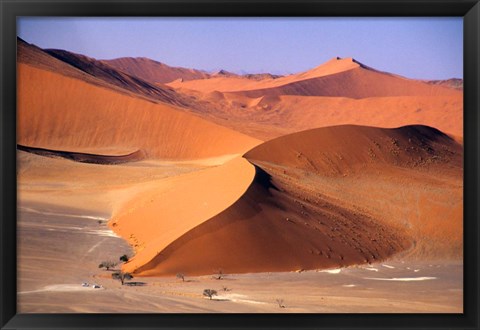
x=86, y=157
x=295, y=214
x=279, y=226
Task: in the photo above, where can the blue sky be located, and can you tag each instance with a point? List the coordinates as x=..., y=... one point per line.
x=422, y=48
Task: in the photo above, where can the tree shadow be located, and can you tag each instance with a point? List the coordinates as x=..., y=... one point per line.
x=135, y=283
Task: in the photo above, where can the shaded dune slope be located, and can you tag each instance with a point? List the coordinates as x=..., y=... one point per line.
x=95, y=72
x=71, y=115
x=286, y=220
x=338, y=150
x=117, y=78
x=153, y=71
x=103, y=159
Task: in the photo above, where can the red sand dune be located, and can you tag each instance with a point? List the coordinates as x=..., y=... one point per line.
x=442, y=112
x=337, y=77
x=95, y=72
x=172, y=207
x=230, y=82
x=153, y=71
x=273, y=116
x=270, y=116
x=72, y=115
x=103, y=71
x=289, y=220
x=356, y=83
x=337, y=92
x=328, y=197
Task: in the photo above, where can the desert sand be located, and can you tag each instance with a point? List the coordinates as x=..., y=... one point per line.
x=341, y=185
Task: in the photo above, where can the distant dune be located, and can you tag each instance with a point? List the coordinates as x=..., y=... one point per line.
x=95, y=72
x=337, y=77
x=338, y=92
x=454, y=83
x=266, y=106
x=153, y=71
x=294, y=215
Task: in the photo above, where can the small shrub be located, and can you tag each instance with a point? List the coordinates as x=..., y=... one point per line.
x=122, y=276
x=182, y=276
x=219, y=275
x=124, y=258
x=107, y=265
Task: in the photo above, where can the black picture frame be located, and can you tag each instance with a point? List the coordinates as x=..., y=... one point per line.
x=10, y=10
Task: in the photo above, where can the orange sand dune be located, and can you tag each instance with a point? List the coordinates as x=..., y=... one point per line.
x=95, y=72
x=338, y=92
x=356, y=83
x=72, y=115
x=295, y=214
x=153, y=71
x=269, y=117
x=442, y=112
x=337, y=77
x=339, y=150
x=154, y=219
x=228, y=83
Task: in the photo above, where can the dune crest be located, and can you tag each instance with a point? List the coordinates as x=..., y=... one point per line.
x=154, y=219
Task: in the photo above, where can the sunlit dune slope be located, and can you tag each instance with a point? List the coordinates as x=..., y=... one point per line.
x=153, y=71
x=63, y=113
x=301, y=211
x=154, y=219
x=231, y=83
